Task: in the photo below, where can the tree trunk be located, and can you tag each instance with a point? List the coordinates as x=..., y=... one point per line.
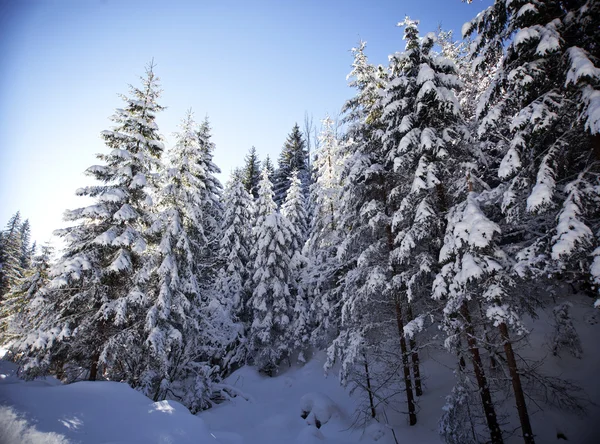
x=517, y=387
x=412, y=416
x=371, y=403
x=484, y=390
x=94, y=366
x=415, y=358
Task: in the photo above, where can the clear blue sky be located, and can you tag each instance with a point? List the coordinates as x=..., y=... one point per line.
x=254, y=67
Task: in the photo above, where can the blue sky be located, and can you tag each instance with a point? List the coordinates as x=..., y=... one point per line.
x=254, y=67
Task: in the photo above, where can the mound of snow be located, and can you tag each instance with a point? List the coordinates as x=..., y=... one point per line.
x=317, y=408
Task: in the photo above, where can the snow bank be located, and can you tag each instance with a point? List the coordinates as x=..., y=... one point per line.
x=91, y=412
x=317, y=408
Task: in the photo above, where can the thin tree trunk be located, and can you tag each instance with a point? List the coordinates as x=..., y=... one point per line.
x=412, y=416
x=410, y=398
x=484, y=390
x=94, y=366
x=371, y=403
x=415, y=358
x=488, y=347
x=517, y=387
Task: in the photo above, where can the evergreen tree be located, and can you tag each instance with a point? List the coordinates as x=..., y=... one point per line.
x=270, y=302
x=325, y=235
x=236, y=244
x=178, y=348
x=12, y=269
x=294, y=212
x=19, y=310
x=251, y=173
x=26, y=247
x=293, y=157
x=540, y=114
x=96, y=290
x=268, y=165
x=370, y=308
x=539, y=119
x=212, y=207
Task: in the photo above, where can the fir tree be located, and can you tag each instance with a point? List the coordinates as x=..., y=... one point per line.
x=96, y=288
x=176, y=347
x=270, y=302
x=212, y=207
x=294, y=212
x=268, y=165
x=236, y=244
x=251, y=173
x=293, y=157
x=19, y=310
x=540, y=113
x=26, y=247
x=325, y=235
x=11, y=270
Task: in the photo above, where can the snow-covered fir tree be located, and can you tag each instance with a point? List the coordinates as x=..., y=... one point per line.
x=18, y=310
x=472, y=281
x=540, y=111
x=294, y=212
x=212, y=206
x=371, y=314
x=95, y=293
x=236, y=244
x=270, y=303
x=324, y=235
x=251, y=172
x=293, y=157
x=180, y=346
x=11, y=269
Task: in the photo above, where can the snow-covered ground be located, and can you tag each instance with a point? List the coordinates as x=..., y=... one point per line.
x=283, y=409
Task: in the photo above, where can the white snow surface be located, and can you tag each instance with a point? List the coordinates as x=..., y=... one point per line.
x=93, y=412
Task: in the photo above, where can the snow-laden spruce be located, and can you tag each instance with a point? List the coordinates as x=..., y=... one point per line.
x=542, y=111
x=95, y=294
x=235, y=247
x=211, y=211
x=11, y=254
x=19, y=310
x=271, y=303
x=180, y=344
x=325, y=234
x=293, y=157
x=294, y=212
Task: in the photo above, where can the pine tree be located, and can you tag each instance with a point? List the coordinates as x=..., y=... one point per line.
x=270, y=302
x=96, y=290
x=251, y=172
x=293, y=157
x=12, y=269
x=268, y=165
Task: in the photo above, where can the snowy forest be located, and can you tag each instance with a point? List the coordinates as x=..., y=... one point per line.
x=453, y=201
